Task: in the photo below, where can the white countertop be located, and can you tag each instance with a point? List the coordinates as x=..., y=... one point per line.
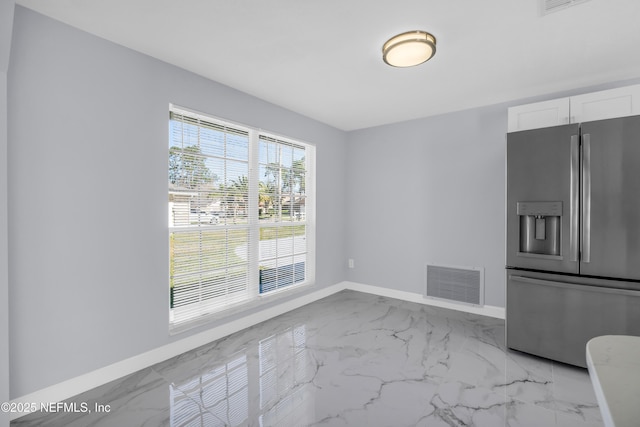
x=614, y=367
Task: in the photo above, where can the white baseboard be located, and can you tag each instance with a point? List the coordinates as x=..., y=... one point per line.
x=74, y=386
x=486, y=310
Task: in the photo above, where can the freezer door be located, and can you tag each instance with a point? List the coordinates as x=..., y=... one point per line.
x=553, y=318
x=610, y=244
x=543, y=181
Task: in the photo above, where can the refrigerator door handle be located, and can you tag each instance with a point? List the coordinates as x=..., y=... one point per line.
x=586, y=198
x=574, y=198
x=566, y=285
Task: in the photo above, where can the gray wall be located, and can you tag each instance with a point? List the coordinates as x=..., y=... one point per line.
x=432, y=191
x=87, y=155
x=6, y=26
x=428, y=191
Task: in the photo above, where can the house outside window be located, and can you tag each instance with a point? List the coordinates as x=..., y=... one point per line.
x=241, y=208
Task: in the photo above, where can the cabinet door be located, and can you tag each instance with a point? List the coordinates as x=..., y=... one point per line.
x=538, y=115
x=606, y=104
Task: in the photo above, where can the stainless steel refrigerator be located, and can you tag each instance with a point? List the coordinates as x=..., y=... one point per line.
x=573, y=236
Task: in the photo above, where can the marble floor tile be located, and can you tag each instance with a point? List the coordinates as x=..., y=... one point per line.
x=351, y=359
x=140, y=399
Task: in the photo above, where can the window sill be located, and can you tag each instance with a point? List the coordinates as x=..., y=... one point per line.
x=253, y=305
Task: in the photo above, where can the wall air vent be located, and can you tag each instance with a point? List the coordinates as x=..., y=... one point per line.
x=456, y=284
x=549, y=6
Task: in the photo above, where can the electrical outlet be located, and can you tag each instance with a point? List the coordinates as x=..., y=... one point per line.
x=351, y=263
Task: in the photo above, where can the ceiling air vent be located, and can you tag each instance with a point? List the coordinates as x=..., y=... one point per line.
x=549, y=6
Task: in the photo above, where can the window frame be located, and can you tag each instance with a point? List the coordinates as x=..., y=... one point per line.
x=208, y=311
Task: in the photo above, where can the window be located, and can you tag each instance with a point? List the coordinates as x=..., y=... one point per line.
x=241, y=211
x=282, y=211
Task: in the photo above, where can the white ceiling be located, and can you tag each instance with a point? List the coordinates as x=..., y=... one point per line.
x=322, y=58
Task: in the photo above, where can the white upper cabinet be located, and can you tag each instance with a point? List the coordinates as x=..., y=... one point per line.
x=606, y=104
x=538, y=115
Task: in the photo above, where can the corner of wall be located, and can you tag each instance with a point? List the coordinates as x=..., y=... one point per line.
x=7, y=8
x=4, y=253
x=6, y=30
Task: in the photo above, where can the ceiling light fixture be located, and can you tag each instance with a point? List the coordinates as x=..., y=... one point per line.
x=409, y=49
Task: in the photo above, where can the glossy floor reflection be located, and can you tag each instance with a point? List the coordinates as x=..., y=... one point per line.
x=351, y=359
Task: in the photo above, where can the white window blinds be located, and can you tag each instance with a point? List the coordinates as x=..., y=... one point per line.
x=238, y=214
x=208, y=215
x=283, y=232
